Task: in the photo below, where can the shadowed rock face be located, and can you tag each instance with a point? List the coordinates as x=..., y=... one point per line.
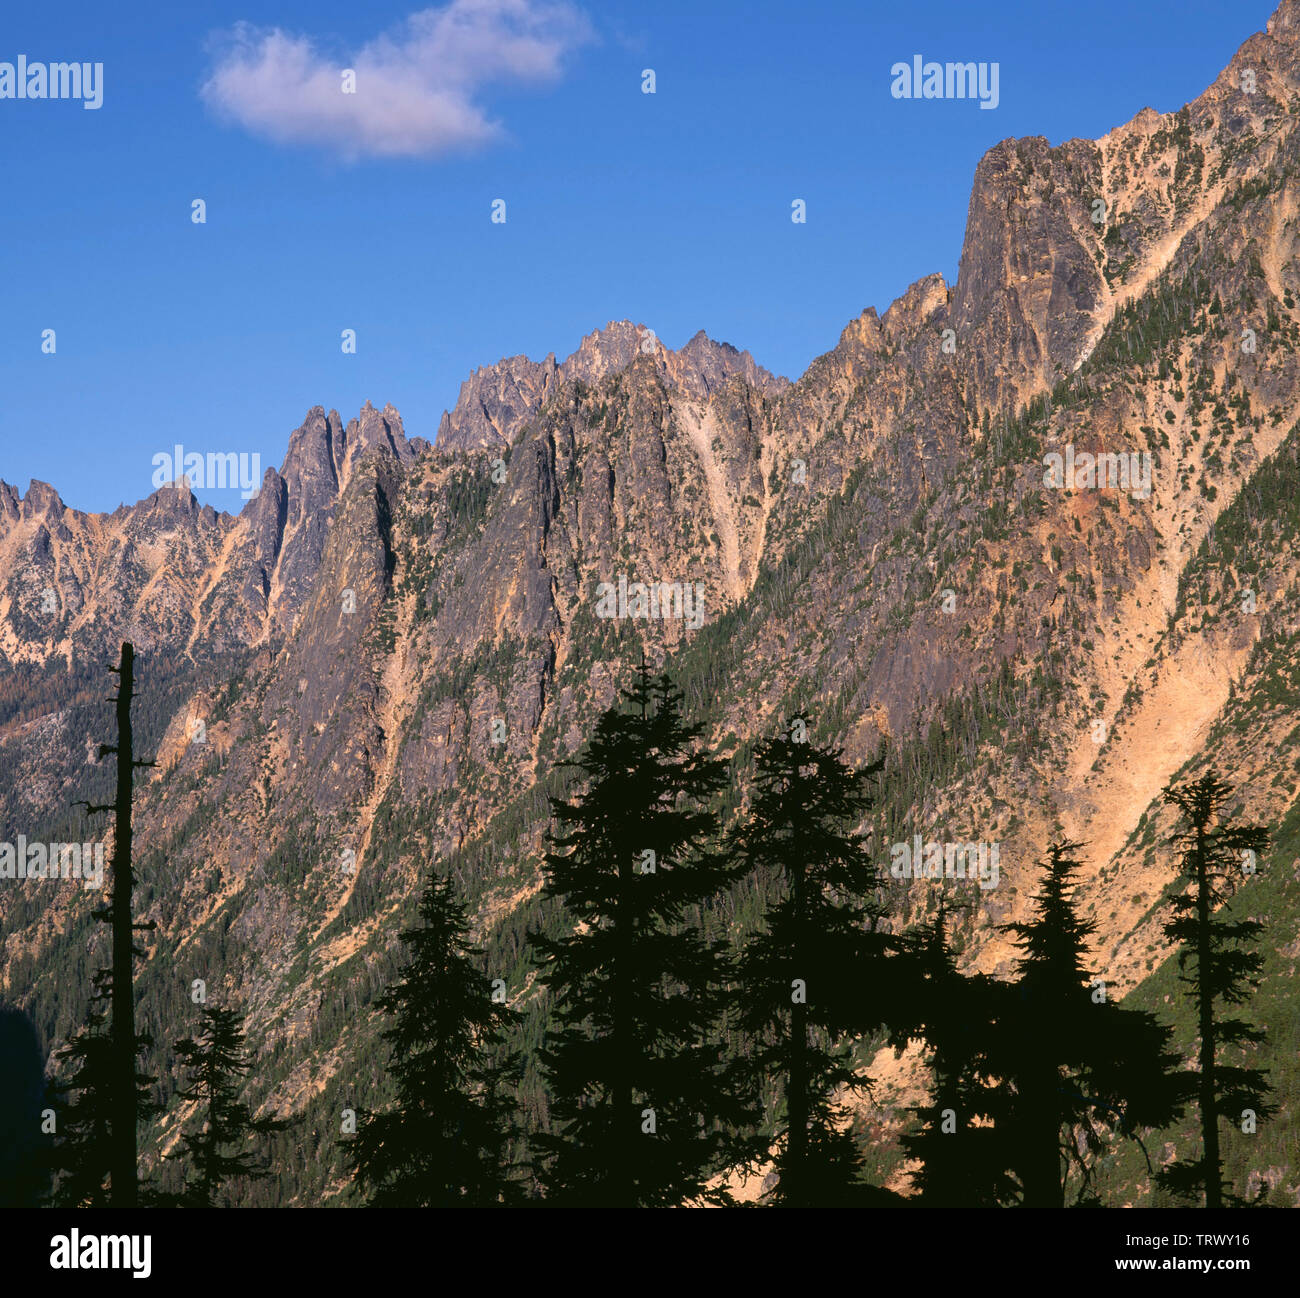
x=394, y=641
x=22, y=1083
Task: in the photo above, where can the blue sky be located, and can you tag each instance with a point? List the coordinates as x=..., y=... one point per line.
x=671, y=209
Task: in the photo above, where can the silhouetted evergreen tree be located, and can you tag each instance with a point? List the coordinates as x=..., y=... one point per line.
x=813, y=976
x=1076, y=1063
x=643, y=1107
x=445, y=1143
x=217, y=1065
x=81, y=1160
x=956, y=1141
x=1218, y=967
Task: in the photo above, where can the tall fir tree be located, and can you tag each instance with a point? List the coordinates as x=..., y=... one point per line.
x=954, y=1143
x=1078, y=1065
x=645, y=1111
x=446, y=1143
x=813, y=978
x=216, y=1153
x=1220, y=969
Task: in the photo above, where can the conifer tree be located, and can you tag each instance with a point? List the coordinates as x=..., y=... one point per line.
x=644, y=1110
x=445, y=1143
x=81, y=1159
x=1077, y=1064
x=955, y=1142
x=216, y=1152
x=813, y=976
x=1219, y=969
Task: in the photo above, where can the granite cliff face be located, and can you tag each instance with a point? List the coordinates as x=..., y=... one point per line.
x=388, y=649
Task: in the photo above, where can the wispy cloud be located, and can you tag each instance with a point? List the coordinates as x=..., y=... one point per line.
x=418, y=89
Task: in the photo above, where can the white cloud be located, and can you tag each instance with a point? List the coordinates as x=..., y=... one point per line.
x=418, y=90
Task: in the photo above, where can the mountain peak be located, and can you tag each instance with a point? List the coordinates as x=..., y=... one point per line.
x=608, y=350
x=41, y=501
x=496, y=401
x=705, y=364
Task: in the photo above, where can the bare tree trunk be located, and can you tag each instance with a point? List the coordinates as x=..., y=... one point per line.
x=122, y=1164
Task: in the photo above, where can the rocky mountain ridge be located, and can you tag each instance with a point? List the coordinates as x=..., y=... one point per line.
x=388, y=650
